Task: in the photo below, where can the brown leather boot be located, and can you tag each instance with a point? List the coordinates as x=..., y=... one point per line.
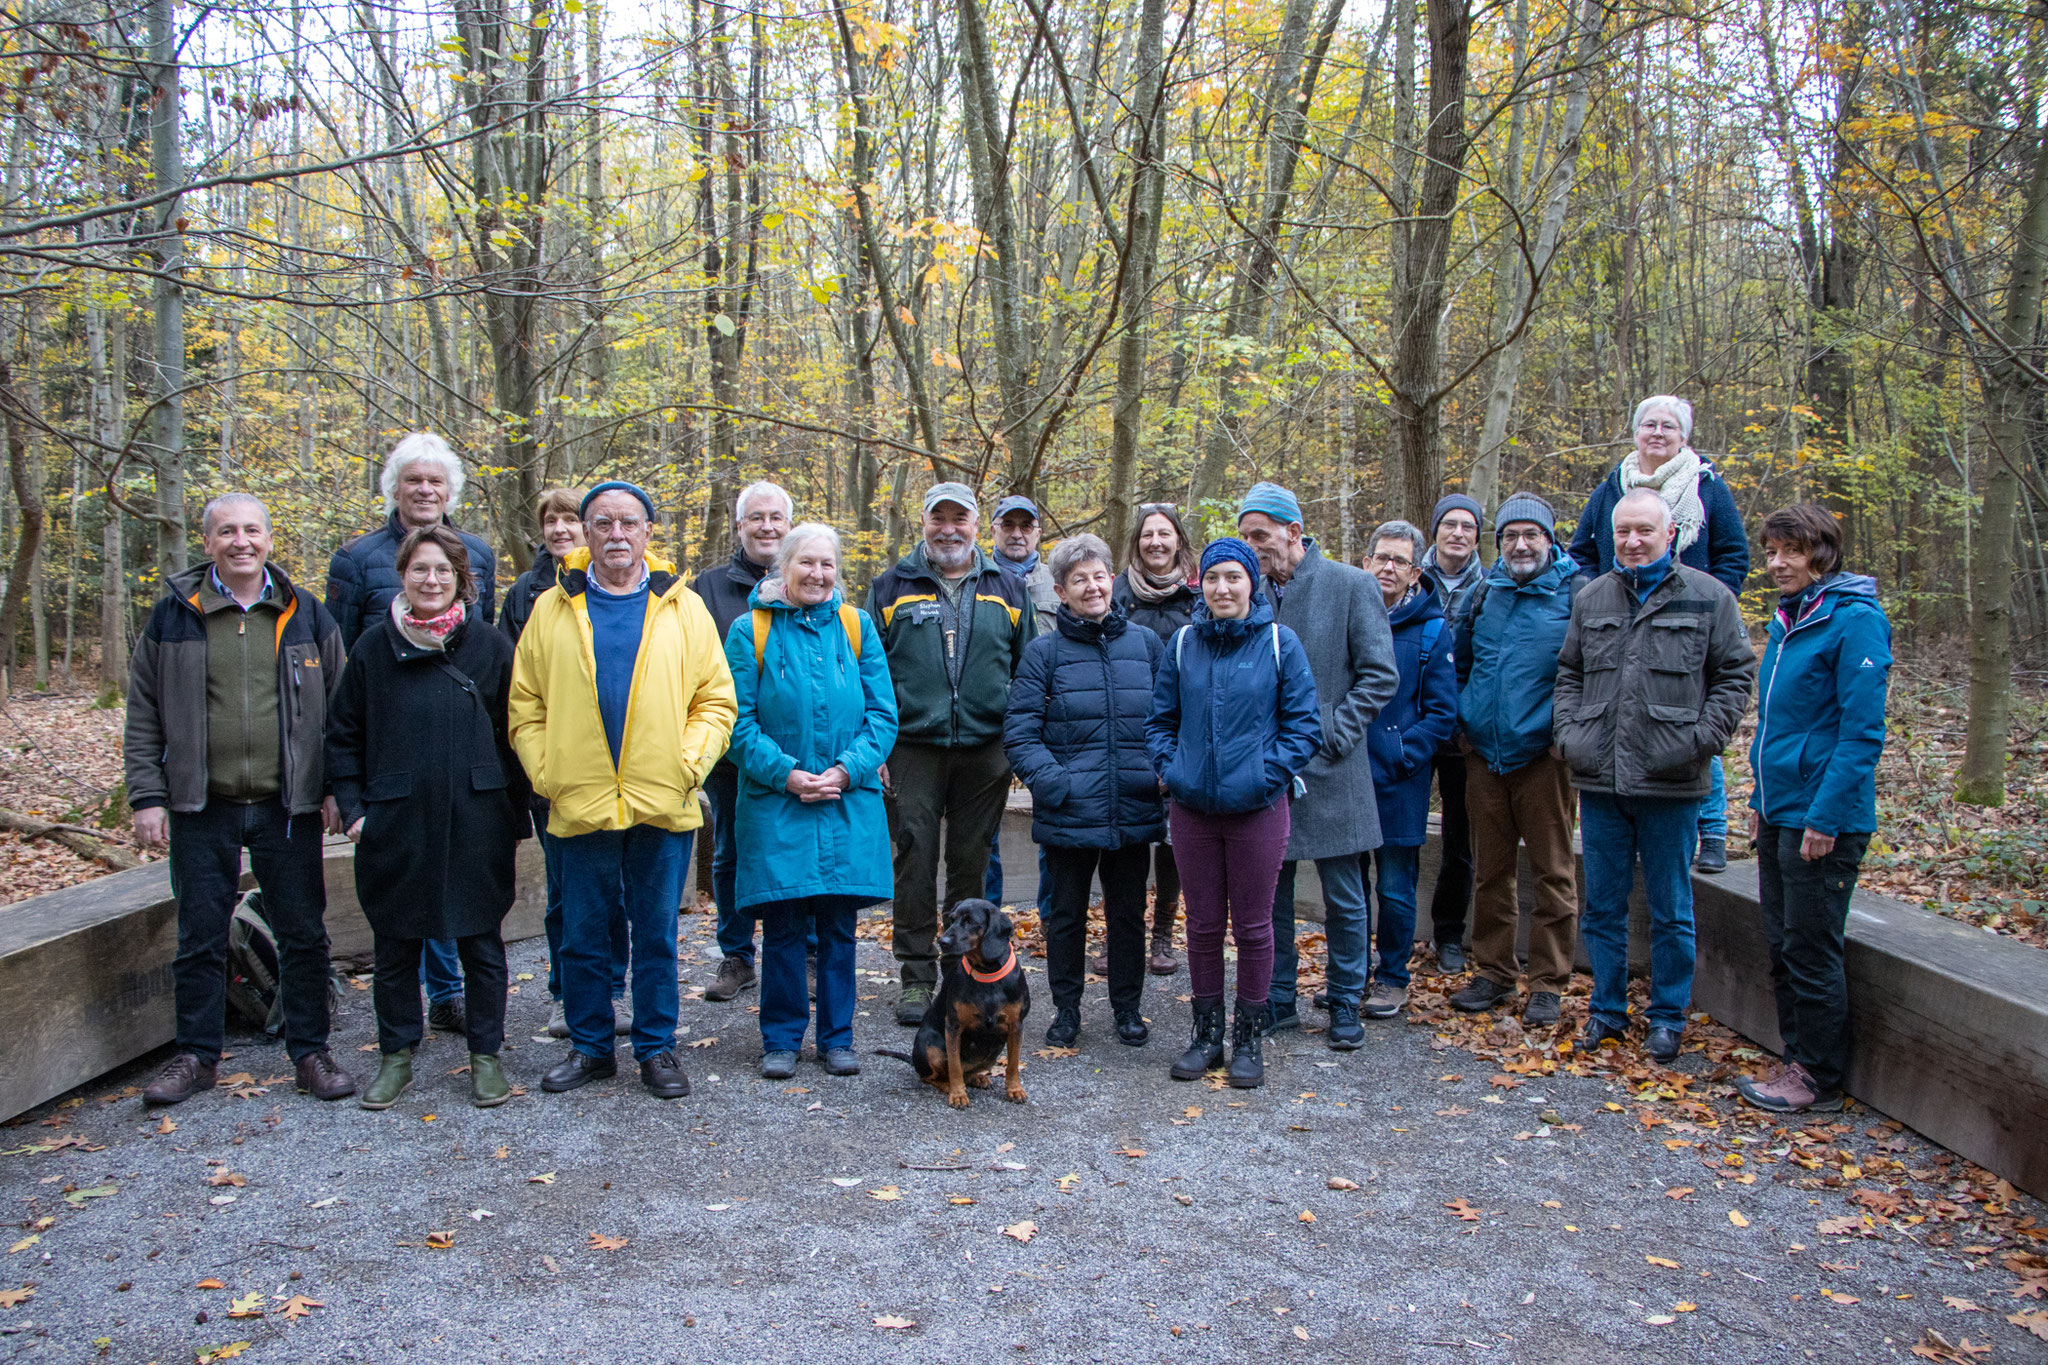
x=184, y=1076
x=320, y=1077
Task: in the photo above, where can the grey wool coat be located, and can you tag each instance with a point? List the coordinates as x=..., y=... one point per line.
x=1342, y=620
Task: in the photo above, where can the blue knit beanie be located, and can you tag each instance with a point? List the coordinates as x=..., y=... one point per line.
x=1525, y=507
x=616, y=486
x=1231, y=548
x=1275, y=501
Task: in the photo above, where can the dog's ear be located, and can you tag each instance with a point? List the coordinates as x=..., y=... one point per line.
x=1000, y=925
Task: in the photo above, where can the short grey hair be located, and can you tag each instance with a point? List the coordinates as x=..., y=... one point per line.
x=1671, y=403
x=1648, y=497
x=1398, y=530
x=798, y=537
x=762, y=489
x=225, y=501
x=1071, y=553
x=421, y=447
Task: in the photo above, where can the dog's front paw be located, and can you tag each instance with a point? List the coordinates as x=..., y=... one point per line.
x=1014, y=1094
x=957, y=1099
x=979, y=1081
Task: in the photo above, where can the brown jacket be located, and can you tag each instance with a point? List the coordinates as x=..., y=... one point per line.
x=1647, y=694
x=165, y=743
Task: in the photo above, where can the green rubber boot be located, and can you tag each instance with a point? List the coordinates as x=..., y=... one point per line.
x=487, y=1085
x=394, y=1074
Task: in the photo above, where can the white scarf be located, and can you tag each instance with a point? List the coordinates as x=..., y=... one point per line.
x=1677, y=481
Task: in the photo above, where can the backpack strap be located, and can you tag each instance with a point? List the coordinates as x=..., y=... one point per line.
x=1177, y=636
x=1276, y=647
x=1432, y=632
x=849, y=621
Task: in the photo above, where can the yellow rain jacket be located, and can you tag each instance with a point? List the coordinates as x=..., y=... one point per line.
x=679, y=714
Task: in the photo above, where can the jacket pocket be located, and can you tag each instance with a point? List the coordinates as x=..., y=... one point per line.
x=1677, y=644
x=1601, y=642
x=1584, y=741
x=1383, y=745
x=388, y=787
x=1670, y=743
x=486, y=777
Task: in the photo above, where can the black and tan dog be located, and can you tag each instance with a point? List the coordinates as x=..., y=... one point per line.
x=978, y=1010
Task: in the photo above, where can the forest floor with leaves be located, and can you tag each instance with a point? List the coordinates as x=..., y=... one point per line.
x=1457, y=1190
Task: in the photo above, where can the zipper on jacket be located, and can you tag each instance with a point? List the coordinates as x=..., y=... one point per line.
x=1763, y=719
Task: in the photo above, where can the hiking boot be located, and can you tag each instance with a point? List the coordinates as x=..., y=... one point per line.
x=911, y=1005
x=1130, y=1028
x=1662, y=1044
x=184, y=1076
x=779, y=1065
x=487, y=1085
x=1099, y=964
x=1205, y=1041
x=318, y=1075
x=1450, y=959
x=558, y=1019
x=1065, y=1029
x=840, y=1061
x=394, y=1074
x=1280, y=1017
x=1542, y=1010
x=1345, y=1034
x=622, y=1016
x=735, y=974
x=1791, y=1091
x=1384, y=1002
x=1248, y=1030
x=447, y=1016
x=1481, y=993
x=1712, y=857
x=1597, y=1033
x=1162, y=962
x=663, y=1076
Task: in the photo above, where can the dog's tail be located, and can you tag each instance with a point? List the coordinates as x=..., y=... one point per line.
x=892, y=1052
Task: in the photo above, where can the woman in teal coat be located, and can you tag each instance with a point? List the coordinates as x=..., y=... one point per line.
x=817, y=717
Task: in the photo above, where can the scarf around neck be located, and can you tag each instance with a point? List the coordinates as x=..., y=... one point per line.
x=1146, y=588
x=431, y=633
x=1677, y=481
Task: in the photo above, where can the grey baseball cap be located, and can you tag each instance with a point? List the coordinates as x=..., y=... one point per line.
x=958, y=493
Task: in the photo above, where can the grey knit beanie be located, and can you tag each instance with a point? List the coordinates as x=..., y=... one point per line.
x=1525, y=507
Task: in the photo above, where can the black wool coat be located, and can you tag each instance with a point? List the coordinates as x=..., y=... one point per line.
x=423, y=757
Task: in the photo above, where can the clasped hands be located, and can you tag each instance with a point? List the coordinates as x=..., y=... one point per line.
x=811, y=787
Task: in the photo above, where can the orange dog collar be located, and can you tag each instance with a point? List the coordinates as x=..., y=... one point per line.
x=1009, y=965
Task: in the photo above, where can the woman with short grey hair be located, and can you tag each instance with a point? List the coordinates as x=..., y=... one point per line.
x=1075, y=732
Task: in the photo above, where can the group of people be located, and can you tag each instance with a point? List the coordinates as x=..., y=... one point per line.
x=1196, y=718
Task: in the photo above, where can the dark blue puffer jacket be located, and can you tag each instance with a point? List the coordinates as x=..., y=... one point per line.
x=1075, y=732
x=1508, y=636
x=1422, y=715
x=1722, y=548
x=1820, y=709
x=362, y=578
x=1231, y=726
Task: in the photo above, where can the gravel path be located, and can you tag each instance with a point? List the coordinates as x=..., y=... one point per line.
x=766, y=1221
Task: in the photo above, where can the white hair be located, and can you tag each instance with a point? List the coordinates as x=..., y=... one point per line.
x=1398, y=530
x=420, y=447
x=1680, y=410
x=761, y=490
x=1645, y=496
x=1075, y=551
x=225, y=501
x=775, y=588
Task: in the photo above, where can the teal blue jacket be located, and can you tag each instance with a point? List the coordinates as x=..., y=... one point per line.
x=1507, y=639
x=1820, y=723
x=810, y=705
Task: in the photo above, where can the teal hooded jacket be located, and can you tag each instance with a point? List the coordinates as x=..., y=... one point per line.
x=1820, y=709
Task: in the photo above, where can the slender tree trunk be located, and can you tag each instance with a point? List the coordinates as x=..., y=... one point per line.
x=167, y=251
x=1148, y=190
x=28, y=496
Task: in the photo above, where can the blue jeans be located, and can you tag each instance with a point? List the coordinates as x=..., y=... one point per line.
x=638, y=872
x=1662, y=834
x=1398, y=870
x=992, y=882
x=440, y=969
x=785, y=998
x=1714, y=809
x=735, y=926
x=1345, y=920
x=551, y=858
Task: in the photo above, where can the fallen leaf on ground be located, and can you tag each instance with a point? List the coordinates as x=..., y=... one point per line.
x=1067, y=1182
x=299, y=1306
x=1503, y=1081
x=1934, y=1346
x=1454, y=1112
x=227, y=1352
x=165, y=1126
x=1022, y=1232
x=702, y=1042
x=227, y=1178
x=1462, y=1211
x=441, y=1241
x=1664, y=1261
x=887, y=1194
x=1338, y=1182
x=1735, y=1217
x=1962, y=1305
x=846, y=1182
x=1302, y=1333
x=1678, y=1192
x=893, y=1321
x=248, y=1306
x=1840, y=1227
x=25, y=1243
x=1839, y=1298
x=959, y=1199
x=1304, y=1217
x=2037, y=1323
x=1660, y=1319
x=600, y=1242
x=76, y=1198
x=1056, y=1052
x=544, y=1178
x=1132, y=1152
x=209, y=1284
x=1685, y=1308
x=15, y=1298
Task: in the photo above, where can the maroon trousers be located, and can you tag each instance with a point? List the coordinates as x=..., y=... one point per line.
x=1229, y=865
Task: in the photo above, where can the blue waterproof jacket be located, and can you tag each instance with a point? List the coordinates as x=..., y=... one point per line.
x=362, y=578
x=1721, y=550
x=1405, y=735
x=810, y=704
x=1507, y=639
x=1231, y=724
x=1820, y=709
x=1075, y=732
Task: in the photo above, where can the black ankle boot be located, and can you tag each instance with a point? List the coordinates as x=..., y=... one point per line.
x=1247, y=1067
x=1205, y=1041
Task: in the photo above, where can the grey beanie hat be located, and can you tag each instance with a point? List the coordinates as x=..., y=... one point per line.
x=1455, y=502
x=1525, y=507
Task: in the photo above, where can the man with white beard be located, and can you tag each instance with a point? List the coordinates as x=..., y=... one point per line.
x=954, y=626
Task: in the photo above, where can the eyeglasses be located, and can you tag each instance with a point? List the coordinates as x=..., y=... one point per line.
x=430, y=571
x=625, y=526
x=1532, y=536
x=1392, y=562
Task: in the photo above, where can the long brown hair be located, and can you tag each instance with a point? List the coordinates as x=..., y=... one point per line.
x=1190, y=553
x=452, y=546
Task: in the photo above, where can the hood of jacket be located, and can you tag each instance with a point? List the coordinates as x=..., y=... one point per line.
x=1415, y=609
x=1819, y=600
x=1091, y=632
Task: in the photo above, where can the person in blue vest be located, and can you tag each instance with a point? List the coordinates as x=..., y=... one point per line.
x=1075, y=732
x=817, y=716
x=1507, y=633
x=1403, y=742
x=1710, y=538
x=1820, y=730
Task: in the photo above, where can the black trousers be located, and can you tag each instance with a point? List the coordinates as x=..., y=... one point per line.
x=396, y=992
x=1123, y=913
x=1806, y=917
x=1452, y=899
x=938, y=797
x=1165, y=891
x=206, y=877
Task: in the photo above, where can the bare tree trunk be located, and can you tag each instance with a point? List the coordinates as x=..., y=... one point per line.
x=2008, y=363
x=1148, y=192
x=28, y=495
x=167, y=251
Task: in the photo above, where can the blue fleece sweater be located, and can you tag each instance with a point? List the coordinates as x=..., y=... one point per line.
x=616, y=624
